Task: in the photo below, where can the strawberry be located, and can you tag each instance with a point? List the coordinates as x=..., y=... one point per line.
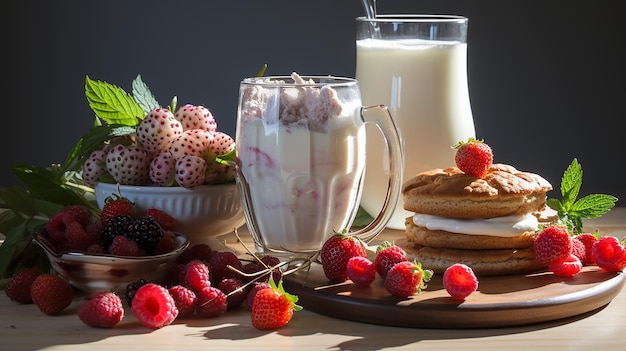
x=103, y=310
x=473, y=157
x=51, y=293
x=222, y=143
x=568, y=267
x=153, y=306
x=387, y=255
x=196, y=117
x=129, y=165
x=610, y=254
x=336, y=252
x=190, y=171
x=552, y=244
x=406, y=278
x=193, y=142
x=158, y=130
x=114, y=206
x=459, y=281
x=94, y=167
x=361, y=271
x=273, y=308
x=163, y=169
x=18, y=287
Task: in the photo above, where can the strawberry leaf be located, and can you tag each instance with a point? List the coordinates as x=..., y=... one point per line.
x=93, y=140
x=143, y=95
x=112, y=104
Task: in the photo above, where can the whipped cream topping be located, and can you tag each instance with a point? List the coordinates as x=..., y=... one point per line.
x=508, y=226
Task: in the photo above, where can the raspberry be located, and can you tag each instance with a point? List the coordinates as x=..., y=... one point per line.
x=95, y=249
x=588, y=240
x=254, y=289
x=201, y=252
x=103, y=310
x=212, y=302
x=146, y=232
x=552, y=244
x=459, y=281
x=234, y=290
x=219, y=262
x=406, y=278
x=131, y=290
x=387, y=255
x=568, y=267
x=51, y=293
x=196, y=275
x=165, y=220
x=610, y=254
x=80, y=214
x=122, y=246
x=185, y=299
x=175, y=275
x=153, y=306
x=166, y=244
x=578, y=249
x=78, y=238
x=361, y=271
x=18, y=287
x=55, y=227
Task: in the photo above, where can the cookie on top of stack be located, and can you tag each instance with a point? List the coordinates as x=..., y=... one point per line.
x=486, y=218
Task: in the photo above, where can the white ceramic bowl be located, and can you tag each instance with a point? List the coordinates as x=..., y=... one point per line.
x=202, y=213
x=92, y=273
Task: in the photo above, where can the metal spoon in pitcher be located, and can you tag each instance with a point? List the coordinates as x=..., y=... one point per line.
x=370, y=8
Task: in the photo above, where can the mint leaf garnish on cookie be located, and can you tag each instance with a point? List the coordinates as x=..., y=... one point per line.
x=570, y=209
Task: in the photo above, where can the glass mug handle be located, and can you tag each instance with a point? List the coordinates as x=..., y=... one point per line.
x=387, y=127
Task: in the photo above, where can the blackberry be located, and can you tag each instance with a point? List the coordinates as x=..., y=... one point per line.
x=147, y=232
x=118, y=225
x=131, y=290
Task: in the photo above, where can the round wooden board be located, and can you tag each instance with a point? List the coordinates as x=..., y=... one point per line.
x=499, y=302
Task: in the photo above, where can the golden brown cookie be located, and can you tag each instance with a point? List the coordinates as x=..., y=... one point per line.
x=482, y=262
x=443, y=239
x=449, y=192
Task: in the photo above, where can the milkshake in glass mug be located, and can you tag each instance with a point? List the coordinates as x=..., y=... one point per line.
x=301, y=160
x=417, y=66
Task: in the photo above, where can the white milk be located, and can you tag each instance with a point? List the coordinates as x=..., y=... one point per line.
x=424, y=84
x=303, y=185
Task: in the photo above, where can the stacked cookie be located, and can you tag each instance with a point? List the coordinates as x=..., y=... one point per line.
x=488, y=223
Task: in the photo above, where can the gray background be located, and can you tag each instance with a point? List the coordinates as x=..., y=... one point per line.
x=546, y=78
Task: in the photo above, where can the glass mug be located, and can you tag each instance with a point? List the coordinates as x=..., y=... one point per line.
x=417, y=66
x=301, y=160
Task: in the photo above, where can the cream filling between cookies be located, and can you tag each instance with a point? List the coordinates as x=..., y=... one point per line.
x=508, y=226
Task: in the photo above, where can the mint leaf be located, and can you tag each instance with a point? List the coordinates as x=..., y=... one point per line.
x=112, y=104
x=143, y=95
x=570, y=184
x=594, y=205
x=570, y=210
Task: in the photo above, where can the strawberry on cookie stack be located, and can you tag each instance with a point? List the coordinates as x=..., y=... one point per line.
x=480, y=214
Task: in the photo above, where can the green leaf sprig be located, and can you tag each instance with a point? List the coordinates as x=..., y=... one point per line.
x=570, y=209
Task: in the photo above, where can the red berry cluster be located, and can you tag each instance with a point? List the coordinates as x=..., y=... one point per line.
x=565, y=255
x=120, y=230
x=344, y=257
x=201, y=282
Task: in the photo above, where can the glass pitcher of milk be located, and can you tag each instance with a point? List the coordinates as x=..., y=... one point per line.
x=416, y=65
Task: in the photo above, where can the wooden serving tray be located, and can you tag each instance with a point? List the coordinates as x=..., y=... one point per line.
x=501, y=301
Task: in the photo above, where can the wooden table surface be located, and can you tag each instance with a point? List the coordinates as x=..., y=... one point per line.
x=24, y=327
